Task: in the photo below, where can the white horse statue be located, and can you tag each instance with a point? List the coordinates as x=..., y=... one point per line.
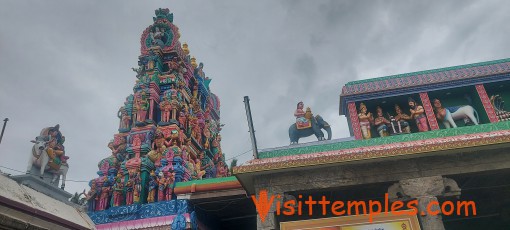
x=39, y=157
x=449, y=115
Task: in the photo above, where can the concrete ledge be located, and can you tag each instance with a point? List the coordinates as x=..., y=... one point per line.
x=42, y=186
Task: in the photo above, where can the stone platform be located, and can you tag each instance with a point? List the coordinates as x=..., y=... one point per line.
x=43, y=186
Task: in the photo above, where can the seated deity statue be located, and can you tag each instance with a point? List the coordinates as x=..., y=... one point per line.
x=301, y=120
x=381, y=123
x=401, y=118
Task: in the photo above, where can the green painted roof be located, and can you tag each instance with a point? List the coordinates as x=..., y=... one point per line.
x=428, y=71
x=505, y=125
x=206, y=181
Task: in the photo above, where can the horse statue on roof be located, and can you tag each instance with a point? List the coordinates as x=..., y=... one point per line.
x=448, y=115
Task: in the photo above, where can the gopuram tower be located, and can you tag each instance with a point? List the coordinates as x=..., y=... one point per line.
x=168, y=133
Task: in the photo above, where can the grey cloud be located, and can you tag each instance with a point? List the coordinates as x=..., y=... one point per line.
x=69, y=62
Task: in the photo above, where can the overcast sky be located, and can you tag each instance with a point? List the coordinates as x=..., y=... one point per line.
x=69, y=62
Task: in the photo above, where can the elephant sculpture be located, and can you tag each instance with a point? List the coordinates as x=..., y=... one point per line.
x=317, y=125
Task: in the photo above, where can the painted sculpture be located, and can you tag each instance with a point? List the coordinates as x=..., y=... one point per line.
x=48, y=154
x=499, y=106
x=307, y=125
x=402, y=119
x=449, y=115
x=365, y=120
x=381, y=123
x=418, y=114
x=169, y=129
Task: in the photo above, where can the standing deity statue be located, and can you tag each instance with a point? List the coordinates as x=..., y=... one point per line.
x=165, y=106
x=137, y=187
x=169, y=184
x=381, y=122
x=418, y=114
x=103, y=199
x=175, y=105
x=129, y=191
x=152, y=188
x=365, y=121
x=142, y=105
x=182, y=120
x=162, y=183
x=199, y=71
x=90, y=196
x=207, y=136
x=118, y=190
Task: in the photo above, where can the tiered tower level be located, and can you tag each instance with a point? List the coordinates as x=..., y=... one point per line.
x=169, y=127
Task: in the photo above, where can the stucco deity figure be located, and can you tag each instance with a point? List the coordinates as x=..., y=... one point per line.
x=221, y=171
x=365, y=121
x=418, y=114
x=381, y=122
x=118, y=191
x=159, y=149
x=129, y=191
x=142, y=105
x=196, y=132
x=153, y=185
x=207, y=137
x=162, y=183
x=137, y=187
x=124, y=117
x=90, y=196
x=119, y=149
x=402, y=119
x=175, y=105
x=175, y=149
x=165, y=106
x=103, y=199
x=200, y=70
x=169, y=184
x=157, y=36
x=55, y=149
x=198, y=168
x=182, y=120
x=301, y=121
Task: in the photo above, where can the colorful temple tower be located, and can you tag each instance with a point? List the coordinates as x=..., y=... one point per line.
x=168, y=133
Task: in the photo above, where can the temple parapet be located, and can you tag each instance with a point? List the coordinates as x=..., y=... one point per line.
x=428, y=100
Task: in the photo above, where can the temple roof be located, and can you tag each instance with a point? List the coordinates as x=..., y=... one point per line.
x=344, y=151
x=415, y=82
x=37, y=205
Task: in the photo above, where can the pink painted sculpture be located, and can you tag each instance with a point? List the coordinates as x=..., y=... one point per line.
x=418, y=114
